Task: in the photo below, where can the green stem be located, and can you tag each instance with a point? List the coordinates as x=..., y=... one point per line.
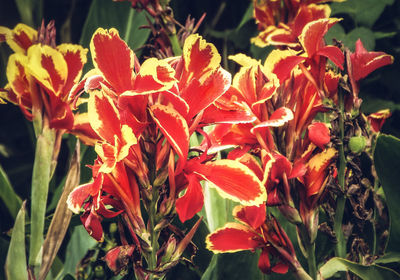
x=340, y=249
x=40, y=186
x=310, y=251
x=176, y=46
x=152, y=260
x=312, y=265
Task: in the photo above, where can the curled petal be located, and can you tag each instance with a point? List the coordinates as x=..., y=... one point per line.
x=277, y=119
x=254, y=216
x=92, y=223
x=319, y=134
x=192, y=201
x=316, y=175
x=20, y=38
x=174, y=128
x=155, y=75
x=313, y=34
x=364, y=62
x=49, y=68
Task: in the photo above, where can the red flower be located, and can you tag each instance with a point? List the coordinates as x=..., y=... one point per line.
x=255, y=231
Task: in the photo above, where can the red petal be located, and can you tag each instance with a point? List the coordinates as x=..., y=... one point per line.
x=75, y=57
x=104, y=117
x=113, y=58
x=213, y=115
x=49, y=68
x=62, y=117
x=232, y=237
x=81, y=193
x=313, y=34
x=334, y=54
x=199, y=95
x=92, y=223
x=254, y=216
x=118, y=257
x=200, y=58
x=315, y=177
x=319, y=134
x=364, y=62
x=155, y=75
x=277, y=119
x=282, y=63
x=264, y=263
x=174, y=128
x=192, y=201
x=280, y=268
x=233, y=180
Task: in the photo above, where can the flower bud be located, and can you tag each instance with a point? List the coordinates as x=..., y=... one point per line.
x=357, y=144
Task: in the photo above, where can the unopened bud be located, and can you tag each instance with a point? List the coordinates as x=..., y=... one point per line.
x=357, y=144
x=169, y=249
x=291, y=214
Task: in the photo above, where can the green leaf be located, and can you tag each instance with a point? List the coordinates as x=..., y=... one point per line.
x=25, y=9
x=40, y=188
x=366, y=35
x=371, y=272
x=120, y=15
x=61, y=218
x=77, y=247
x=387, y=165
x=389, y=257
x=218, y=209
x=248, y=15
x=15, y=267
x=363, y=12
x=371, y=104
x=234, y=266
x=7, y=194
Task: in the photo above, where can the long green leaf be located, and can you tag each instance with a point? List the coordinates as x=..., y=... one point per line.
x=12, y=201
x=120, y=15
x=40, y=188
x=387, y=165
x=77, y=247
x=62, y=216
x=15, y=267
x=371, y=272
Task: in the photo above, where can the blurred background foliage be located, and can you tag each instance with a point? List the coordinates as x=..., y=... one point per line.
x=229, y=25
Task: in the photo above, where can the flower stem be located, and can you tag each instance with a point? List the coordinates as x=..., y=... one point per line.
x=312, y=265
x=152, y=260
x=340, y=249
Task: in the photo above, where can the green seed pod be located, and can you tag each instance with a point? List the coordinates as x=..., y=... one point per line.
x=357, y=144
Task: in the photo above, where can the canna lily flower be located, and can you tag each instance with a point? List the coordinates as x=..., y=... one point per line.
x=377, y=119
x=255, y=230
x=281, y=24
x=361, y=63
x=41, y=77
x=115, y=190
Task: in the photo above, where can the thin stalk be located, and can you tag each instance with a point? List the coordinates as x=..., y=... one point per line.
x=340, y=249
x=310, y=251
x=312, y=265
x=152, y=260
x=176, y=46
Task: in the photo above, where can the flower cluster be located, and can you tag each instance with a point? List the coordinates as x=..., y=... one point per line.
x=280, y=123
